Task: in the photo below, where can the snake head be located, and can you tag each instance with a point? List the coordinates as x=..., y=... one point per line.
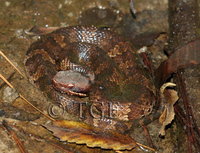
x=72, y=83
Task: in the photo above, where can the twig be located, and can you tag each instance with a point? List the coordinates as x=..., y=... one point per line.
x=11, y=63
x=188, y=110
x=26, y=99
x=8, y=128
x=35, y=107
x=147, y=136
x=4, y=83
x=132, y=6
x=179, y=112
x=38, y=138
x=145, y=146
x=4, y=79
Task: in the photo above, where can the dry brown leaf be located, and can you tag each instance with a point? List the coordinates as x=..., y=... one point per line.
x=163, y=116
x=168, y=114
x=40, y=30
x=81, y=133
x=187, y=55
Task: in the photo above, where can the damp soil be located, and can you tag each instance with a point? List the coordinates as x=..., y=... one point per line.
x=18, y=16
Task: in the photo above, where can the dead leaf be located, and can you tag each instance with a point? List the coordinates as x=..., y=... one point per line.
x=168, y=114
x=186, y=56
x=38, y=31
x=81, y=133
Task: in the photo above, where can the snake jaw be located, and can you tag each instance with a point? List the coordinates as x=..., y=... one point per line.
x=69, y=92
x=71, y=83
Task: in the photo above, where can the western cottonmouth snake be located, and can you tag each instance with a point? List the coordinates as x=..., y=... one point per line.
x=107, y=60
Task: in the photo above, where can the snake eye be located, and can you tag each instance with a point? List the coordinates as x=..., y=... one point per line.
x=70, y=85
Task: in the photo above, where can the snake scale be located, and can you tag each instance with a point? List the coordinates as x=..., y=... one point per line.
x=106, y=61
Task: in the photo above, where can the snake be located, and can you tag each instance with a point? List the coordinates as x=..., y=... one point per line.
x=94, y=67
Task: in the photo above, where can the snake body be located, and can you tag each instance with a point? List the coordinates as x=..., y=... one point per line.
x=117, y=84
